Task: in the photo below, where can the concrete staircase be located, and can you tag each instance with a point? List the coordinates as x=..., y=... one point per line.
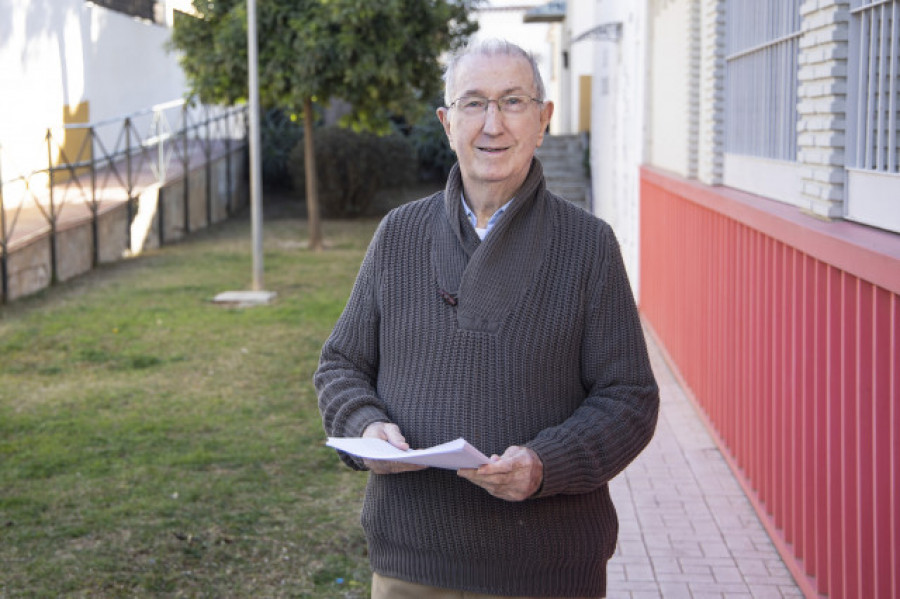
x=563, y=159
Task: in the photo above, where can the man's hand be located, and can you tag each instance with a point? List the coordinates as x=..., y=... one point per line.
x=514, y=476
x=390, y=433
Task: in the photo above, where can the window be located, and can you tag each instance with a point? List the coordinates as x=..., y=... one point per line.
x=762, y=45
x=876, y=74
x=873, y=123
x=761, y=78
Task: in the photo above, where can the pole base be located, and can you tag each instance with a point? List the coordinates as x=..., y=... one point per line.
x=245, y=299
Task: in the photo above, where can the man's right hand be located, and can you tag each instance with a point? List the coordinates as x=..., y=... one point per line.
x=391, y=433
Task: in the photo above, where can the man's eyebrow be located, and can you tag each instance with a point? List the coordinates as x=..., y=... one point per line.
x=506, y=92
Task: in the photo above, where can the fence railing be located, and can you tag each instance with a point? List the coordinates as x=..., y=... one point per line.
x=786, y=332
x=92, y=165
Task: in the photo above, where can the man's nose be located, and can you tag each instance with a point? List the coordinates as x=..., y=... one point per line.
x=493, y=118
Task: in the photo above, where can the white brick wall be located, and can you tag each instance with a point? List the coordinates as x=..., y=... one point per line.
x=694, y=45
x=822, y=104
x=712, y=91
x=688, y=112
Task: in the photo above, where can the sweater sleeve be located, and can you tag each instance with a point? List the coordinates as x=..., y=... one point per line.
x=618, y=416
x=346, y=377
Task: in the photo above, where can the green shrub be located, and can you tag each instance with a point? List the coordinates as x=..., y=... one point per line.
x=352, y=167
x=432, y=148
x=279, y=133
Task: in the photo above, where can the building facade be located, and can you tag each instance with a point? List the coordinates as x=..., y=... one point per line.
x=505, y=19
x=64, y=62
x=615, y=37
x=769, y=260
x=101, y=155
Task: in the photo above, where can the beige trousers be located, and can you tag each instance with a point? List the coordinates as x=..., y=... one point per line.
x=384, y=587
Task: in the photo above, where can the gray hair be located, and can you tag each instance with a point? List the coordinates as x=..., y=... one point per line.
x=491, y=47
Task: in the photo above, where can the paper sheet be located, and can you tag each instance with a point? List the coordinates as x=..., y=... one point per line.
x=453, y=455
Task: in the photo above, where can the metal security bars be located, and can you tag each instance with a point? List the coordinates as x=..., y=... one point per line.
x=875, y=85
x=761, y=81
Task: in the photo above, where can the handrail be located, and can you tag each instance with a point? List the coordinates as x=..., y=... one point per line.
x=155, y=108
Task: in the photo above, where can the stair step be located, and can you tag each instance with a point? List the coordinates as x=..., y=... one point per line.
x=568, y=190
x=573, y=195
x=567, y=174
x=571, y=174
x=562, y=157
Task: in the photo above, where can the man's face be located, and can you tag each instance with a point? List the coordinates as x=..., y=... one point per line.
x=494, y=148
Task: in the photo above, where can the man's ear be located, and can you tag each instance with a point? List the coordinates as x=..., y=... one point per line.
x=443, y=115
x=546, y=113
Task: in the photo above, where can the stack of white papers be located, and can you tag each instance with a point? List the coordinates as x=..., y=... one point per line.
x=452, y=456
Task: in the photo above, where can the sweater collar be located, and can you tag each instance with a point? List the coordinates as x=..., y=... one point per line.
x=524, y=198
x=488, y=277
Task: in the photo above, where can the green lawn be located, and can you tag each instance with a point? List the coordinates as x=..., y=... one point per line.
x=153, y=443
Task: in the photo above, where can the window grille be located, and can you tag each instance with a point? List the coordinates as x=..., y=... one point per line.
x=761, y=78
x=875, y=85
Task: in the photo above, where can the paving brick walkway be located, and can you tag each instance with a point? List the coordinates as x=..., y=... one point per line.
x=687, y=531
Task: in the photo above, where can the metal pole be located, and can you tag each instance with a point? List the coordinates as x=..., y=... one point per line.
x=95, y=207
x=129, y=182
x=52, y=214
x=4, y=275
x=208, y=155
x=160, y=147
x=185, y=168
x=255, y=161
x=256, y=296
x=228, y=208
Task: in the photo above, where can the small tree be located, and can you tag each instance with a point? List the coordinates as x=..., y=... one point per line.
x=379, y=56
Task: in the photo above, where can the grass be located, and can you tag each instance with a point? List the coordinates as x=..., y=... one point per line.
x=153, y=443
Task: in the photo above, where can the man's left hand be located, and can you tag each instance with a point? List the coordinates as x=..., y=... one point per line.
x=514, y=476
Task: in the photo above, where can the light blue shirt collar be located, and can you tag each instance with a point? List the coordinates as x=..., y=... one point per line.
x=482, y=233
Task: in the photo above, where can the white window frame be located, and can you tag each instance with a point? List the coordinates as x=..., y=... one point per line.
x=873, y=115
x=766, y=163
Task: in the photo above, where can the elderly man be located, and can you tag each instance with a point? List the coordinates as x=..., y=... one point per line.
x=497, y=312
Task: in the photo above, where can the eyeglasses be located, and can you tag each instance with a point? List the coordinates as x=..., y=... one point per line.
x=478, y=105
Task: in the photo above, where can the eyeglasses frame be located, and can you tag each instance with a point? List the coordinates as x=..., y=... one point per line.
x=495, y=100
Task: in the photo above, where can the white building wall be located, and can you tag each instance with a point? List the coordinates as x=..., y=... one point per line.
x=580, y=18
x=67, y=52
x=130, y=69
x=673, y=109
x=504, y=19
x=687, y=112
x=617, y=123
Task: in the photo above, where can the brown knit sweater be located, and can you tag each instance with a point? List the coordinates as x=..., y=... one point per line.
x=530, y=337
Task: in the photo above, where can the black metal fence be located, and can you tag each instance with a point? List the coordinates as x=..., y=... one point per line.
x=113, y=161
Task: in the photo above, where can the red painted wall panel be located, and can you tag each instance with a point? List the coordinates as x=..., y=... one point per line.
x=786, y=332
x=864, y=424
x=849, y=586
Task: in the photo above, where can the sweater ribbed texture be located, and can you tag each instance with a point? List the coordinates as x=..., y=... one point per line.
x=543, y=348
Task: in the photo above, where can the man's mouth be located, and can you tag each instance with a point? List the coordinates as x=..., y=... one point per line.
x=492, y=150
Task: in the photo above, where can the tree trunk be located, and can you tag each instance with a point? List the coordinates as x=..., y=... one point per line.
x=312, y=187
